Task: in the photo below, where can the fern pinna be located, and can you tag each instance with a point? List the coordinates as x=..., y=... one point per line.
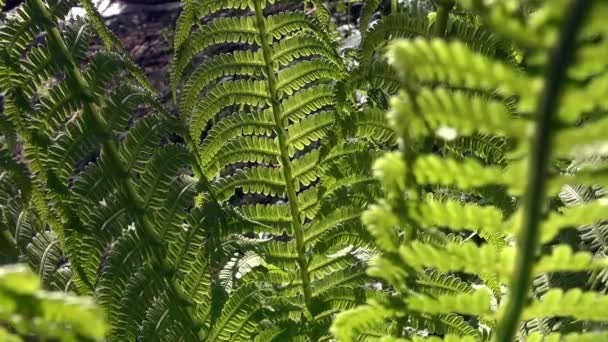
x=445, y=226
x=268, y=109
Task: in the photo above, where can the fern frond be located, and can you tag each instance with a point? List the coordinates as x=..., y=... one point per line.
x=305, y=170
x=279, y=253
x=323, y=224
x=455, y=216
x=433, y=283
x=465, y=175
x=465, y=257
x=291, y=79
x=350, y=277
x=240, y=314
x=245, y=149
x=465, y=113
x=222, y=30
x=312, y=128
x=582, y=337
x=276, y=216
x=307, y=101
x=262, y=180
x=398, y=25
x=238, y=63
x=448, y=63
x=354, y=322
x=195, y=10
x=476, y=303
x=253, y=93
x=242, y=123
x=563, y=259
x=287, y=50
x=571, y=303
x=141, y=142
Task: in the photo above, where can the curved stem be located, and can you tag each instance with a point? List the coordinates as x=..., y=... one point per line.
x=528, y=240
x=443, y=14
x=394, y=6
x=292, y=196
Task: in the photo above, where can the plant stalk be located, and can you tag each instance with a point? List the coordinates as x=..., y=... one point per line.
x=443, y=14
x=292, y=196
x=394, y=6
x=528, y=241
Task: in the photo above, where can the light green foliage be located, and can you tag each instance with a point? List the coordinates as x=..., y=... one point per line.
x=458, y=212
x=25, y=309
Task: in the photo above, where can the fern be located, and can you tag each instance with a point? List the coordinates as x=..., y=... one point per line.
x=418, y=229
x=282, y=203
x=271, y=106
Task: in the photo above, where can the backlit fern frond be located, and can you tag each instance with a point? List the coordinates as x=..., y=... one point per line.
x=262, y=119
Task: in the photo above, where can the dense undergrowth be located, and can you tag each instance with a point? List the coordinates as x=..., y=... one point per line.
x=436, y=175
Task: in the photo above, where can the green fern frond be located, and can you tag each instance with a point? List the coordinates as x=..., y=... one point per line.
x=279, y=84
x=398, y=25
x=476, y=303
x=253, y=93
x=310, y=129
x=271, y=216
x=240, y=62
x=306, y=101
x=466, y=257
x=455, y=215
x=287, y=50
x=465, y=175
x=563, y=259
x=571, y=303
x=291, y=79
x=433, y=283
x=438, y=61
x=233, y=30
x=195, y=10
x=261, y=180
x=245, y=149
x=240, y=314
x=583, y=337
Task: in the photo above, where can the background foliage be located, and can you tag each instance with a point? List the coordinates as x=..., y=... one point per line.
x=421, y=170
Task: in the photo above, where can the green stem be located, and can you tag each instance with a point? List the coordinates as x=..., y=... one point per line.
x=528, y=241
x=443, y=14
x=11, y=243
x=11, y=240
x=109, y=149
x=292, y=196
